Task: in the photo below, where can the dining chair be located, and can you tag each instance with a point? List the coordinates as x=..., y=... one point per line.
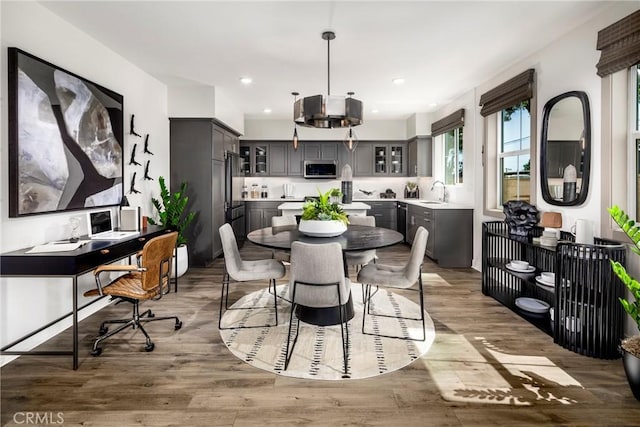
x=280, y=221
x=244, y=271
x=148, y=280
x=396, y=276
x=360, y=258
x=314, y=281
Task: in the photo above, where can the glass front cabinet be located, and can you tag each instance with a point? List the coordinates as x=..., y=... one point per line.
x=254, y=159
x=390, y=159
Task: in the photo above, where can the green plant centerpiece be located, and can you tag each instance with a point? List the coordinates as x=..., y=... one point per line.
x=323, y=218
x=171, y=210
x=631, y=345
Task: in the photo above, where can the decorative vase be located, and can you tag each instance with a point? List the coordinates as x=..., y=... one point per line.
x=317, y=228
x=180, y=266
x=632, y=368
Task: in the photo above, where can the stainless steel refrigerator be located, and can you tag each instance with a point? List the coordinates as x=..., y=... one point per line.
x=233, y=201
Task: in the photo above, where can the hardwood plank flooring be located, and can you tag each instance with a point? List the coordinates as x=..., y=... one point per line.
x=487, y=366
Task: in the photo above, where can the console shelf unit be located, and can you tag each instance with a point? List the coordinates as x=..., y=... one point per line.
x=588, y=316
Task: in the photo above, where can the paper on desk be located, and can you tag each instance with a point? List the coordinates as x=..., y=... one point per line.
x=57, y=247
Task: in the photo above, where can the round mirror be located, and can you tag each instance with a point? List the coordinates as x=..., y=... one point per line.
x=565, y=150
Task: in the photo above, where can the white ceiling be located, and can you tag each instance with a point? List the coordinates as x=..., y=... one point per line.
x=442, y=49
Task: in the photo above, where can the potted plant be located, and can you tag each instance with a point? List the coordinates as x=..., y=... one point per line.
x=171, y=213
x=411, y=190
x=322, y=217
x=630, y=346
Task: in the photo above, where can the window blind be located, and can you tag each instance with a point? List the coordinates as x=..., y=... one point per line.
x=452, y=121
x=508, y=94
x=619, y=44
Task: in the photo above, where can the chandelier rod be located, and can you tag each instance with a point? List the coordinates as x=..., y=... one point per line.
x=328, y=65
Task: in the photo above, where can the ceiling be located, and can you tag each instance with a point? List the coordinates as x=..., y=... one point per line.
x=442, y=49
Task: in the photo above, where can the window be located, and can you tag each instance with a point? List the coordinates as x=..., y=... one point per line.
x=634, y=132
x=514, y=155
x=453, y=159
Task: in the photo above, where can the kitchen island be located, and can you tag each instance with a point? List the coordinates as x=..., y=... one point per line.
x=295, y=208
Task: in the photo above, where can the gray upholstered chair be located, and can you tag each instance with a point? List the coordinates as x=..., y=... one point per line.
x=316, y=280
x=360, y=258
x=280, y=221
x=243, y=271
x=401, y=277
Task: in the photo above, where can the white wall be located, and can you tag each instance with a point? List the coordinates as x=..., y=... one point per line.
x=282, y=129
x=26, y=304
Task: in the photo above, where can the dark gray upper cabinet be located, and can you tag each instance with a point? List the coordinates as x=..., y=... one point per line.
x=294, y=160
x=363, y=159
x=565, y=149
x=278, y=153
x=320, y=150
x=389, y=159
x=419, y=151
x=255, y=156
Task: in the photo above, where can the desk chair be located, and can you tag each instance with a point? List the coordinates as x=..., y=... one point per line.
x=393, y=276
x=243, y=271
x=149, y=280
x=316, y=281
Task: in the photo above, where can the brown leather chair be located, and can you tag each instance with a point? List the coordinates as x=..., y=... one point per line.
x=149, y=280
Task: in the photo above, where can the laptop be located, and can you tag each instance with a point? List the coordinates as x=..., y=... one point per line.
x=100, y=225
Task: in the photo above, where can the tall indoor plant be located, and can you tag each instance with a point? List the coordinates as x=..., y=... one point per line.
x=323, y=218
x=172, y=214
x=631, y=345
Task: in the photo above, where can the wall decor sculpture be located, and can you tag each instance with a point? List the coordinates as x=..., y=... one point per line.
x=132, y=188
x=146, y=171
x=132, y=128
x=133, y=161
x=146, y=145
x=65, y=139
x=520, y=217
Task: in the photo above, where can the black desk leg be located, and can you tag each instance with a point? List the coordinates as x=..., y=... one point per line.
x=75, y=323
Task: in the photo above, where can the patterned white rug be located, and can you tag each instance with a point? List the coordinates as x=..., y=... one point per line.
x=318, y=352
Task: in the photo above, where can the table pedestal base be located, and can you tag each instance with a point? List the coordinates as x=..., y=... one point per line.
x=324, y=316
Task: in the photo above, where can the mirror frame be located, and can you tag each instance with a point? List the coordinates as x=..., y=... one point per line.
x=586, y=117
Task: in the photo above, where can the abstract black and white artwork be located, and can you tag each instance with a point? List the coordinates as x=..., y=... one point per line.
x=65, y=139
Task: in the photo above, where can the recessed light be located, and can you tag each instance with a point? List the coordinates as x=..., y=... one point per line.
x=433, y=105
x=398, y=81
x=246, y=80
x=267, y=110
x=374, y=111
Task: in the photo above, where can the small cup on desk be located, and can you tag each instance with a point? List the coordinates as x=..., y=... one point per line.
x=548, y=276
x=522, y=265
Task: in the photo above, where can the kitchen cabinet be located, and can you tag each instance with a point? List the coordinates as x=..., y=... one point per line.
x=450, y=242
x=295, y=160
x=363, y=159
x=384, y=212
x=197, y=157
x=587, y=315
x=278, y=153
x=259, y=214
x=255, y=157
x=320, y=150
x=419, y=156
x=390, y=159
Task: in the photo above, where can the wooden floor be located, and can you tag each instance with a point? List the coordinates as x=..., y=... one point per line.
x=487, y=366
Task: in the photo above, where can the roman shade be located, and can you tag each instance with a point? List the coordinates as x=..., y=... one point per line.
x=619, y=44
x=452, y=121
x=508, y=94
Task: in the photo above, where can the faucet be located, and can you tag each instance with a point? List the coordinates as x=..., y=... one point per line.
x=444, y=190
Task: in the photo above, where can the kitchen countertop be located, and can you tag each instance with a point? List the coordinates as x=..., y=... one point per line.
x=359, y=201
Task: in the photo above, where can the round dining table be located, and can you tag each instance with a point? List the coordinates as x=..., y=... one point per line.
x=356, y=238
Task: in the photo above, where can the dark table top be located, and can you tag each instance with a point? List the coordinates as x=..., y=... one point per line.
x=356, y=238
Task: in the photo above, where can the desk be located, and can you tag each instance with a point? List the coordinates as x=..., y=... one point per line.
x=69, y=264
x=356, y=238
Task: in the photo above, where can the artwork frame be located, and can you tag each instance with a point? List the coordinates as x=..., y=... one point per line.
x=66, y=139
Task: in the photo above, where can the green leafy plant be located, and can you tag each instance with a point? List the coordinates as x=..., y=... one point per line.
x=171, y=210
x=323, y=210
x=632, y=229
x=412, y=185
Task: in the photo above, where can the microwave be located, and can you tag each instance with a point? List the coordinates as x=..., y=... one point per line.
x=320, y=169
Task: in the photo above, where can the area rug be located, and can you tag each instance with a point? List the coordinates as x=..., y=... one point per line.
x=318, y=352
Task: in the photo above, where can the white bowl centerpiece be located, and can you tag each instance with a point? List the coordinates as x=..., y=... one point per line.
x=322, y=218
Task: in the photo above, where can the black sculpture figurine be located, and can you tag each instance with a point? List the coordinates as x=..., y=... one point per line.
x=132, y=189
x=520, y=217
x=131, y=128
x=146, y=145
x=146, y=171
x=133, y=156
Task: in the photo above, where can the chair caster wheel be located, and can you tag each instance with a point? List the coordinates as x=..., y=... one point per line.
x=103, y=330
x=178, y=325
x=151, y=315
x=96, y=352
x=149, y=347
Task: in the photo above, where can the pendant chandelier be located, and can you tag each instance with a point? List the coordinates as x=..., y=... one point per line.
x=330, y=111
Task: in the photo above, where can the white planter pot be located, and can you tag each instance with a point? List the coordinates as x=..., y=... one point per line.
x=315, y=228
x=180, y=267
